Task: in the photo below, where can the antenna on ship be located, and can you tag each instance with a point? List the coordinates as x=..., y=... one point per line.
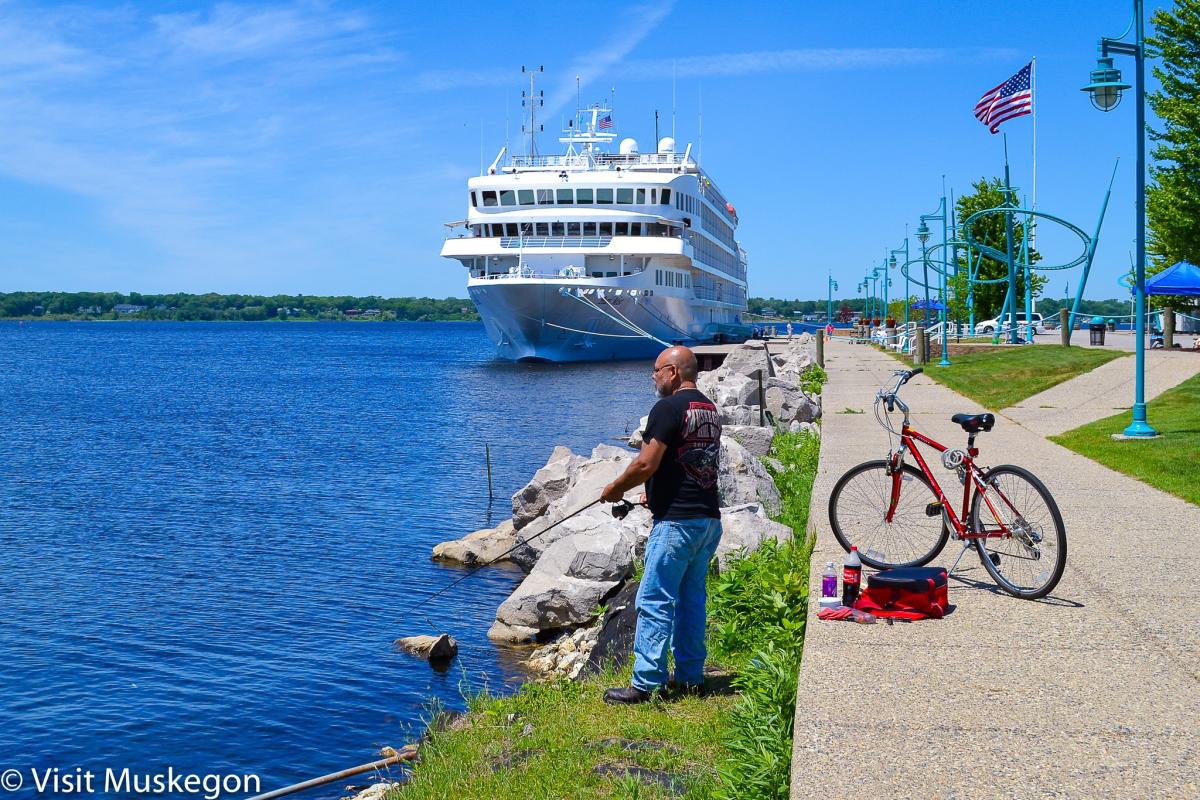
x=535, y=99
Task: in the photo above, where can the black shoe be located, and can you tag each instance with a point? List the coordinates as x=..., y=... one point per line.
x=627, y=696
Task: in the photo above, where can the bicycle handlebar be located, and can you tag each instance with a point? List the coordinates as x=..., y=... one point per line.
x=902, y=377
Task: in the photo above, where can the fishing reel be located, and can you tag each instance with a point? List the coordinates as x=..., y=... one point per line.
x=621, y=508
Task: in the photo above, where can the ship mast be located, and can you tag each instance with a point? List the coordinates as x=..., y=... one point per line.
x=532, y=101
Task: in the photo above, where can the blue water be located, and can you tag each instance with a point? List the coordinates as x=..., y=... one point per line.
x=209, y=533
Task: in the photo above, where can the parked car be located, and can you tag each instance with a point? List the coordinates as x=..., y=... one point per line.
x=990, y=326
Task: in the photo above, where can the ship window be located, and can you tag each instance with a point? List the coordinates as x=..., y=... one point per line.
x=566, y=197
x=545, y=197
x=635, y=229
x=572, y=229
x=597, y=274
x=606, y=229
x=589, y=229
x=656, y=229
x=622, y=229
x=508, y=197
x=610, y=274
x=583, y=196
x=557, y=229
x=625, y=197
x=525, y=197
x=474, y=199
x=604, y=197
x=510, y=229
x=542, y=229
x=641, y=197
x=665, y=194
x=489, y=198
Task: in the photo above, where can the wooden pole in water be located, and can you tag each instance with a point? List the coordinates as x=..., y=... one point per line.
x=408, y=753
x=487, y=457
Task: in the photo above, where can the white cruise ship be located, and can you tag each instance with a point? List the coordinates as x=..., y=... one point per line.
x=594, y=255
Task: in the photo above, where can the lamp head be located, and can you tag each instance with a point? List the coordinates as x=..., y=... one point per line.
x=923, y=232
x=892, y=262
x=1106, y=87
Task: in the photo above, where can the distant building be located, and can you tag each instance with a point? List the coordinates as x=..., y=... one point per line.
x=127, y=308
x=38, y=311
x=92, y=310
x=353, y=312
x=768, y=312
x=371, y=312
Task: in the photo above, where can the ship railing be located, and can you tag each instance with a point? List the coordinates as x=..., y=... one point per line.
x=709, y=189
x=524, y=242
x=567, y=273
x=599, y=160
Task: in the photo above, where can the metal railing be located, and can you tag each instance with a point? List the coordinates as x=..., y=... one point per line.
x=520, y=242
x=600, y=160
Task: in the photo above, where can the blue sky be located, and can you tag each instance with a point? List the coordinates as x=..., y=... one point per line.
x=318, y=147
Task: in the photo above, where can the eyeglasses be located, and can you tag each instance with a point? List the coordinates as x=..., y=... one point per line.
x=660, y=369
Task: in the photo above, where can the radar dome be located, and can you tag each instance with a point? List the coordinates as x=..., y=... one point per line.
x=666, y=145
x=628, y=147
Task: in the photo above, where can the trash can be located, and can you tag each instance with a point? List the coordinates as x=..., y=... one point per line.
x=1097, y=328
x=1112, y=325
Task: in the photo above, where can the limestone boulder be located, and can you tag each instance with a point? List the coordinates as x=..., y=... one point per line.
x=749, y=358
x=638, y=437
x=752, y=437
x=743, y=530
x=481, y=547
x=567, y=583
x=786, y=405
x=743, y=479
x=740, y=416
x=547, y=485
x=586, y=482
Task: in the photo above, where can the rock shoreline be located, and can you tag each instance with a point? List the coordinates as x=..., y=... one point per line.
x=574, y=568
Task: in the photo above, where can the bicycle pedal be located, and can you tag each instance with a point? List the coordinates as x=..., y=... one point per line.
x=933, y=509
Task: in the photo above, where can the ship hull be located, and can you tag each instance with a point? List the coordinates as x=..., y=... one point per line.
x=565, y=321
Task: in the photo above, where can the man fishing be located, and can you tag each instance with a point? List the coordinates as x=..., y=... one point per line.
x=678, y=463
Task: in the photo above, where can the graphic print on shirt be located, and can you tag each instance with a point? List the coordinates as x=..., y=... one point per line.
x=700, y=453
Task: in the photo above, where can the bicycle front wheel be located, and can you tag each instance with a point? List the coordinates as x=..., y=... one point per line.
x=858, y=514
x=1029, y=559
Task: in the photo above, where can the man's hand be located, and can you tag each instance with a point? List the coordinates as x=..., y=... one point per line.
x=612, y=493
x=642, y=499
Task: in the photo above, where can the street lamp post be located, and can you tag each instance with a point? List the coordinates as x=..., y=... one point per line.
x=940, y=215
x=892, y=264
x=1105, y=90
x=923, y=238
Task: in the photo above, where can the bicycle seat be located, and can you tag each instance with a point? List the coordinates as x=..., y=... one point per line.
x=974, y=423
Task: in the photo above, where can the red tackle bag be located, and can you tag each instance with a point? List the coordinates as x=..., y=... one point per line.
x=906, y=593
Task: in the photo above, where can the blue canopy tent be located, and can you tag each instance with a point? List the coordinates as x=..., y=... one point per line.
x=1181, y=279
x=933, y=305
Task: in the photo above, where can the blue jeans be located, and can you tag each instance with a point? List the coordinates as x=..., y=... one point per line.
x=671, y=599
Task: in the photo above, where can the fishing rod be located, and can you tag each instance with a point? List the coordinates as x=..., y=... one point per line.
x=620, y=510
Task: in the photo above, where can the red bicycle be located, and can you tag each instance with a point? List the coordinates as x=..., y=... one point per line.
x=898, y=515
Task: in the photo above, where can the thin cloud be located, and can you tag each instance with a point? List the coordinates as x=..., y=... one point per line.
x=599, y=62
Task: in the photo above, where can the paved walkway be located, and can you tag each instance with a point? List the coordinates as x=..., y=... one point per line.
x=1092, y=692
x=1101, y=393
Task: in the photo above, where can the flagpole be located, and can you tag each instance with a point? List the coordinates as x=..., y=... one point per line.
x=1032, y=221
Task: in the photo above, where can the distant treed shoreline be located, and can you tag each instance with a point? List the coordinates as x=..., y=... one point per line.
x=181, y=307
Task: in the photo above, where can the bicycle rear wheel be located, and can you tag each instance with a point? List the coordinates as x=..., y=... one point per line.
x=858, y=510
x=1029, y=563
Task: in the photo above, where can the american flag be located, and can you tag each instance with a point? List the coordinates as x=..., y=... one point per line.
x=606, y=122
x=1013, y=98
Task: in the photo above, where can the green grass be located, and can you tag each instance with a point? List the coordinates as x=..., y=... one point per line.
x=998, y=379
x=1169, y=462
x=555, y=739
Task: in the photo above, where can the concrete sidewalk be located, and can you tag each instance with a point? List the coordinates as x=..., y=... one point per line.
x=1091, y=692
x=1102, y=392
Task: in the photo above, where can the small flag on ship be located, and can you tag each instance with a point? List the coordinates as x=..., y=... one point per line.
x=1013, y=98
x=606, y=122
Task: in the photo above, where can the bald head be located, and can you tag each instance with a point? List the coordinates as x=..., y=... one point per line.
x=684, y=361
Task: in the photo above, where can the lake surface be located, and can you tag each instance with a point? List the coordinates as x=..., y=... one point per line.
x=209, y=533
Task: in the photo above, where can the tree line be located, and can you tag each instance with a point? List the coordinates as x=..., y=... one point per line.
x=185, y=307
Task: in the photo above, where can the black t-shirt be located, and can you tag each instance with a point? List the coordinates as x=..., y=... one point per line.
x=685, y=485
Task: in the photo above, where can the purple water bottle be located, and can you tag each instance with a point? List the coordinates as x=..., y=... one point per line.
x=829, y=581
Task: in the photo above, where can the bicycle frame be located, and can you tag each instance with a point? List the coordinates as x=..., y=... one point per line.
x=971, y=474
